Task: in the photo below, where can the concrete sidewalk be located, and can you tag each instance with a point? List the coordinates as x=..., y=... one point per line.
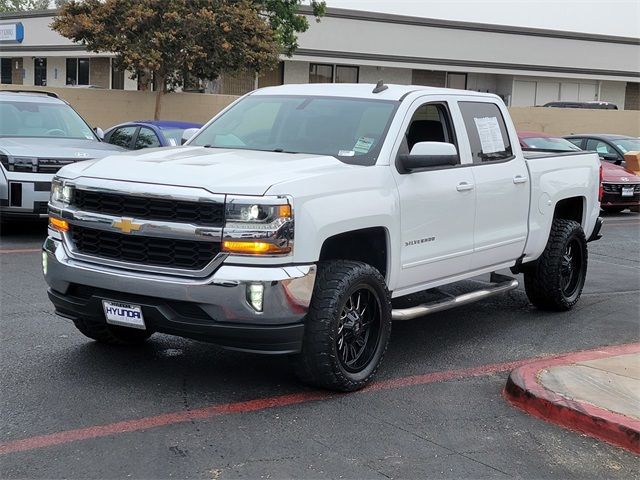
x=595, y=392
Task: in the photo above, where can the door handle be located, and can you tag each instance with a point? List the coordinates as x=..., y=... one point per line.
x=464, y=186
x=520, y=179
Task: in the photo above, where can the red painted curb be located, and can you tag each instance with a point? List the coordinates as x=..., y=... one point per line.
x=525, y=392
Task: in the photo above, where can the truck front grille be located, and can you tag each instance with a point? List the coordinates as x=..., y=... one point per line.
x=163, y=252
x=208, y=214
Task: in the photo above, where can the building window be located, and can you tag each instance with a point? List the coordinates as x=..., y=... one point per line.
x=117, y=77
x=319, y=73
x=77, y=71
x=345, y=74
x=5, y=70
x=40, y=72
x=457, y=80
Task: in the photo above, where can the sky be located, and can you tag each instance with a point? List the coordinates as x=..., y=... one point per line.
x=608, y=17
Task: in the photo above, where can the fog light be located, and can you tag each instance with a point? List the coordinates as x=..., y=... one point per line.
x=45, y=260
x=255, y=295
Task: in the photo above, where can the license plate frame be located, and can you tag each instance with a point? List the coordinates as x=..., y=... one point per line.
x=123, y=314
x=627, y=191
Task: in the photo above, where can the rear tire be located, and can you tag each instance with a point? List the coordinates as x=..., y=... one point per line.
x=347, y=327
x=556, y=280
x=111, y=334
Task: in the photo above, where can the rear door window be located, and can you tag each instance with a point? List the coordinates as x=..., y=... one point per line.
x=123, y=136
x=147, y=138
x=487, y=132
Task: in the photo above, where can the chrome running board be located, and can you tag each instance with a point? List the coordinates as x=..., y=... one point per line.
x=499, y=284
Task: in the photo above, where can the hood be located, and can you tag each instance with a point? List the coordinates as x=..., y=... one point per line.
x=612, y=173
x=52, y=147
x=242, y=172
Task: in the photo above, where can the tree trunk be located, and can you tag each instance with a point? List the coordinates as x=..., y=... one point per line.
x=159, y=94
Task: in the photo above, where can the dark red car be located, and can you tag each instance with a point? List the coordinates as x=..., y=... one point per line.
x=620, y=187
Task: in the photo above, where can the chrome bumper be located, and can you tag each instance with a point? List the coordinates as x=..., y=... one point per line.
x=223, y=295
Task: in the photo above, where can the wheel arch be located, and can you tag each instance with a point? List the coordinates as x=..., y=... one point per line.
x=571, y=208
x=369, y=245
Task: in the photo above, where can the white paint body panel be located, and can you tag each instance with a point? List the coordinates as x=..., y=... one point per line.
x=475, y=231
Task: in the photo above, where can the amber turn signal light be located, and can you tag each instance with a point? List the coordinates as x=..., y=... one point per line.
x=59, y=224
x=253, y=248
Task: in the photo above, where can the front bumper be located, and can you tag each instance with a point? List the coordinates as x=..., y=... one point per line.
x=214, y=309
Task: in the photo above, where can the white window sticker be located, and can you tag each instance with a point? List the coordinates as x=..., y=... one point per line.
x=363, y=145
x=346, y=153
x=490, y=134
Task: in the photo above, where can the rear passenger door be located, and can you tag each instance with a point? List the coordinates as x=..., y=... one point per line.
x=123, y=136
x=146, y=138
x=502, y=186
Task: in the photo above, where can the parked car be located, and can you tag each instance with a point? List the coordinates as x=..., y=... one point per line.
x=621, y=187
x=544, y=142
x=610, y=147
x=149, y=133
x=39, y=133
x=291, y=235
x=593, y=104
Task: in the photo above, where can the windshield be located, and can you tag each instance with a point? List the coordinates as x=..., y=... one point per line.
x=33, y=119
x=629, y=145
x=349, y=129
x=550, y=143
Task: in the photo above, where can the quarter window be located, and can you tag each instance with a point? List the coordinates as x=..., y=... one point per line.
x=487, y=132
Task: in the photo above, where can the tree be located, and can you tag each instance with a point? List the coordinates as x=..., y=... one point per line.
x=23, y=5
x=178, y=39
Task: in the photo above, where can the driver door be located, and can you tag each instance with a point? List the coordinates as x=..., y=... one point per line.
x=437, y=204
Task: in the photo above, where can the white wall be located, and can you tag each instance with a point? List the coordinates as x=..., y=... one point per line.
x=536, y=91
x=400, y=76
x=482, y=82
x=27, y=65
x=296, y=72
x=614, y=92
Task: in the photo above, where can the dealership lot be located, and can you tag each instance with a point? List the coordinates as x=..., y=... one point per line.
x=179, y=408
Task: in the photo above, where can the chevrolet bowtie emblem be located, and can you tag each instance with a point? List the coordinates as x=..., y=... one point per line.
x=126, y=225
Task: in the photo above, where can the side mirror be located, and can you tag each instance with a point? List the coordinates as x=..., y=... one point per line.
x=610, y=157
x=99, y=133
x=187, y=134
x=428, y=155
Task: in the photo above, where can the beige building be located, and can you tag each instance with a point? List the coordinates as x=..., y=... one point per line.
x=525, y=66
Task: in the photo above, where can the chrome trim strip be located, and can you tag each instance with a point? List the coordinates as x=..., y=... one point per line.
x=147, y=228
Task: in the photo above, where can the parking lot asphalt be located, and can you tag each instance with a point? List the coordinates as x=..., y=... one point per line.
x=175, y=408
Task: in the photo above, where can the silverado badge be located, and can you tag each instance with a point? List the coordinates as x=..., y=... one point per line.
x=126, y=225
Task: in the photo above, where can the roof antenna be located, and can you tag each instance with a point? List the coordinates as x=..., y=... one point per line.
x=380, y=87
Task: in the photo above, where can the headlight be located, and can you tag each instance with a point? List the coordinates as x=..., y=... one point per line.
x=19, y=164
x=61, y=192
x=258, y=226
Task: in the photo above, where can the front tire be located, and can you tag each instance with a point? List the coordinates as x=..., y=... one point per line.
x=347, y=328
x=111, y=334
x=556, y=280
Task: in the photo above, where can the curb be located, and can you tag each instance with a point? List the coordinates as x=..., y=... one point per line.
x=525, y=392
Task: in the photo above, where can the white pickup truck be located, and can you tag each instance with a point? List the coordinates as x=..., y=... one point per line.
x=302, y=219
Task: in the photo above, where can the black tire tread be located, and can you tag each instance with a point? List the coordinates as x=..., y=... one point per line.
x=541, y=280
x=317, y=364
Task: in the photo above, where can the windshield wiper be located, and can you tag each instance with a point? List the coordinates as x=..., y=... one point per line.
x=282, y=150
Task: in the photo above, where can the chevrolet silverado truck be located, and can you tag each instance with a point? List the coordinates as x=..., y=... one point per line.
x=303, y=219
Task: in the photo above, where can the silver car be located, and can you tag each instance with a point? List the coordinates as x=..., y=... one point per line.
x=39, y=133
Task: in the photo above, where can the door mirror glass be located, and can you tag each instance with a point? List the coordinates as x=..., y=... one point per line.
x=99, y=133
x=187, y=134
x=428, y=155
x=610, y=157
